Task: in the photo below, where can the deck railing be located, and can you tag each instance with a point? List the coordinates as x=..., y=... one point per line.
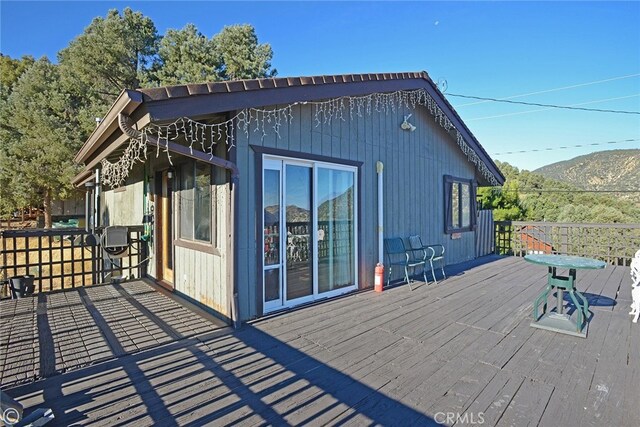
x=615, y=244
x=65, y=258
x=299, y=240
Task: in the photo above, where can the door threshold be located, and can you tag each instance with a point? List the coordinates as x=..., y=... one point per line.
x=165, y=284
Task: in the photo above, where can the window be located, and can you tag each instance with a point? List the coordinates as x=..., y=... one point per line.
x=195, y=202
x=460, y=204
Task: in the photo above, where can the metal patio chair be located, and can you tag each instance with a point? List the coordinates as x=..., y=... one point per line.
x=433, y=254
x=397, y=254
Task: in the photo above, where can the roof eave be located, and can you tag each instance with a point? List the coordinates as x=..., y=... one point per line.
x=127, y=102
x=82, y=177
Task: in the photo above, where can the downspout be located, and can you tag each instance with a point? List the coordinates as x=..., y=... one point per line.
x=124, y=122
x=379, y=167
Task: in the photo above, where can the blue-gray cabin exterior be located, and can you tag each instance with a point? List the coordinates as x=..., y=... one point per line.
x=415, y=164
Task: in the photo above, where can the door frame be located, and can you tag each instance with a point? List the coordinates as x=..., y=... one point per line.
x=164, y=244
x=314, y=164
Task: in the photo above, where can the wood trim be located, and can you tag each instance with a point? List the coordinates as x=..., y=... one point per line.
x=167, y=286
x=128, y=101
x=157, y=238
x=197, y=246
x=204, y=105
x=448, y=180
x=303, y=156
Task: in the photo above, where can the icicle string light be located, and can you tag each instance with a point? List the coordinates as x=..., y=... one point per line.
x=205, y=137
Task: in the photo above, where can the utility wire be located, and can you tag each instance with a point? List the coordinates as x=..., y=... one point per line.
x=563, y=147
x=517, y=113
x=535, y=104
x=539, y=190
x=555, y=89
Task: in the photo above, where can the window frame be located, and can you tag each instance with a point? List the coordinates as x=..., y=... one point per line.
x=193, y=242
x=449, y=182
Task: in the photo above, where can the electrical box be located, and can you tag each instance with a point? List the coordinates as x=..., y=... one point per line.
x=116, y=236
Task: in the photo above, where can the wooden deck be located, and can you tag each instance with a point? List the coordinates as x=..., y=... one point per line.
x=51, y=333
x=463, y=347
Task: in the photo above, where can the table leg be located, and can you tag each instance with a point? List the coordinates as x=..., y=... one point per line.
x=560, y=295
x=558, y=321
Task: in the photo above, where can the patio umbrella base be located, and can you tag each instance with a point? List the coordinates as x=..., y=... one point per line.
x=560, y=323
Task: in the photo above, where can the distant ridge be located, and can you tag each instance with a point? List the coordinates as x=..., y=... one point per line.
x=602, y=170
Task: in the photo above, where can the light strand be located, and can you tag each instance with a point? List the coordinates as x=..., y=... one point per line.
x=204, y=137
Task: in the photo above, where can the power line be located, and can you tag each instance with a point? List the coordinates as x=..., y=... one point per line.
x=555, y=89
x=535, y=104
x=539, y=190
x=517, y=113
x=563, y=147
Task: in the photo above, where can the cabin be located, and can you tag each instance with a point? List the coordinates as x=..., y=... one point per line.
x=262, y=195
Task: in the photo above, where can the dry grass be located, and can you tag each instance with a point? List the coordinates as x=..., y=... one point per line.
x=46, y=258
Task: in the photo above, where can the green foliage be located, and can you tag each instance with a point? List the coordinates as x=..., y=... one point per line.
x=111, y=54
x=505, y=202
x=520, y=200
x=240, y=55
x=12, y=69
x=47, y=110
x=40, y=136
x=185, y=56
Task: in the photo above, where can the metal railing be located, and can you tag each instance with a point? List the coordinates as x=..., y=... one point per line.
x=66, y=257
x=615, y=244
x=299, y=240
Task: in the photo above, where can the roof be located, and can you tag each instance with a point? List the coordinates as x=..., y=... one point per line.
x=164, y=104
x=179, y=91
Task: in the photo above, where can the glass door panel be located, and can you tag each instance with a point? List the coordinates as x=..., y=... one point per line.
x=298, y=213
x=336, y=229
x=271, y=238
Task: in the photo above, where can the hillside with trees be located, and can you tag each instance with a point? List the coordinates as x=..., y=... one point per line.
x=531, y=196
x=602, y=170
x=47, y=110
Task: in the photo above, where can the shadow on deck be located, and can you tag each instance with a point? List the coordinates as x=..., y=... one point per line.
x=462, y=348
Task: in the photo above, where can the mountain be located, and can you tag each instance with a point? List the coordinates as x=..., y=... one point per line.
x=338, y=207
x=602, y=170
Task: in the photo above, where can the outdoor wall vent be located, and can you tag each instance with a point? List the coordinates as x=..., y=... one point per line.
x=115, y=236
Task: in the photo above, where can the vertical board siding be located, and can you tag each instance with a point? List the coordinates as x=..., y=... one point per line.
x=414, y=166
x=124, y=205
x=202, y=277
x=485, y=233
x=198, y=275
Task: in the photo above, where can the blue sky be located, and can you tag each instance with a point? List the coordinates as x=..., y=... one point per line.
x=488, y=49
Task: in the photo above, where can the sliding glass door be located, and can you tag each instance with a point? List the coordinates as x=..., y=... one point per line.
x=336, y=233
x=310, y=226
x=298, y=219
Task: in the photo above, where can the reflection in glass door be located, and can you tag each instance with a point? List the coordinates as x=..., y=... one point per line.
x=297, y=195
x=309, y=236
x=336, y=232
x=271, y=235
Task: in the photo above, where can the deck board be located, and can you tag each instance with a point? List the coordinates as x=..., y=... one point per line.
x=462, y=347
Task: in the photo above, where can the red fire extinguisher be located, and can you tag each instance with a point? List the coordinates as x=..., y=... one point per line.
x=379, y=278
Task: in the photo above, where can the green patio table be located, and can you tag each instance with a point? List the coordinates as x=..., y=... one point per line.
x=557, y=320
